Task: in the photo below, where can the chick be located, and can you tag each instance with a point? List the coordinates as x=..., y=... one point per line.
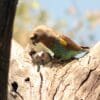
x=40, y=58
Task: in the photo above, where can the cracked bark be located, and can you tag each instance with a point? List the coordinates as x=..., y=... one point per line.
x=41, y=85
x=77, y=80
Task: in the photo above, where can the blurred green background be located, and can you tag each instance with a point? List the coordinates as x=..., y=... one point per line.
x=78, y=19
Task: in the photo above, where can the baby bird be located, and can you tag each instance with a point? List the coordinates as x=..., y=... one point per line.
x=40, y=58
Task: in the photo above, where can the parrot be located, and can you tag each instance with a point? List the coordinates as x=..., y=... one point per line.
x=40, y=58
x=62, y=46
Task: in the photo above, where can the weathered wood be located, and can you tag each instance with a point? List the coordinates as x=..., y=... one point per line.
x=7, y=14
x=77, y=80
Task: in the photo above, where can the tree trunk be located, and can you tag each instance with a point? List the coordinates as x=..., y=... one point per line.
x=7, y=13
x=76, y=80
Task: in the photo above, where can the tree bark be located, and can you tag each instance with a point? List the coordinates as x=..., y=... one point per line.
x=76, y=80
x=7, y=13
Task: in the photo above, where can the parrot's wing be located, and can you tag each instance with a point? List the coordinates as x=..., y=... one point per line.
x=71, y=44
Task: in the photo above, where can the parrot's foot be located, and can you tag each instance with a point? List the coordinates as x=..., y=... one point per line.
x=57, y=62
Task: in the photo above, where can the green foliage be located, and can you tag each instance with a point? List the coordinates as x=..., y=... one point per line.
x=22, y=9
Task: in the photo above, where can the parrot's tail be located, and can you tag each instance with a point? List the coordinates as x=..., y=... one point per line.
x=84, y=51
x=85, y=48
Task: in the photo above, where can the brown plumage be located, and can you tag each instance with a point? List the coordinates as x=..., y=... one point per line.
x=48, y=35
x=55, y=41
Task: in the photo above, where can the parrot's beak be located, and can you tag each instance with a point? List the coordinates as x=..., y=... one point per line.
x=34, y=40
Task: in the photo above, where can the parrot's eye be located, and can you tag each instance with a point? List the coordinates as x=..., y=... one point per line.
x=35, y=39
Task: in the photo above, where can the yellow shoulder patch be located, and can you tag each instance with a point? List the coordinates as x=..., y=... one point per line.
x=63, y=42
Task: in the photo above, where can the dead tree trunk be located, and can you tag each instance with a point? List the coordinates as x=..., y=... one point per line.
x=7, y=12
x=77, y=80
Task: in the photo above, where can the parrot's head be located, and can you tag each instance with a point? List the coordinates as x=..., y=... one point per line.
x=46, y=36
x=42, y=34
